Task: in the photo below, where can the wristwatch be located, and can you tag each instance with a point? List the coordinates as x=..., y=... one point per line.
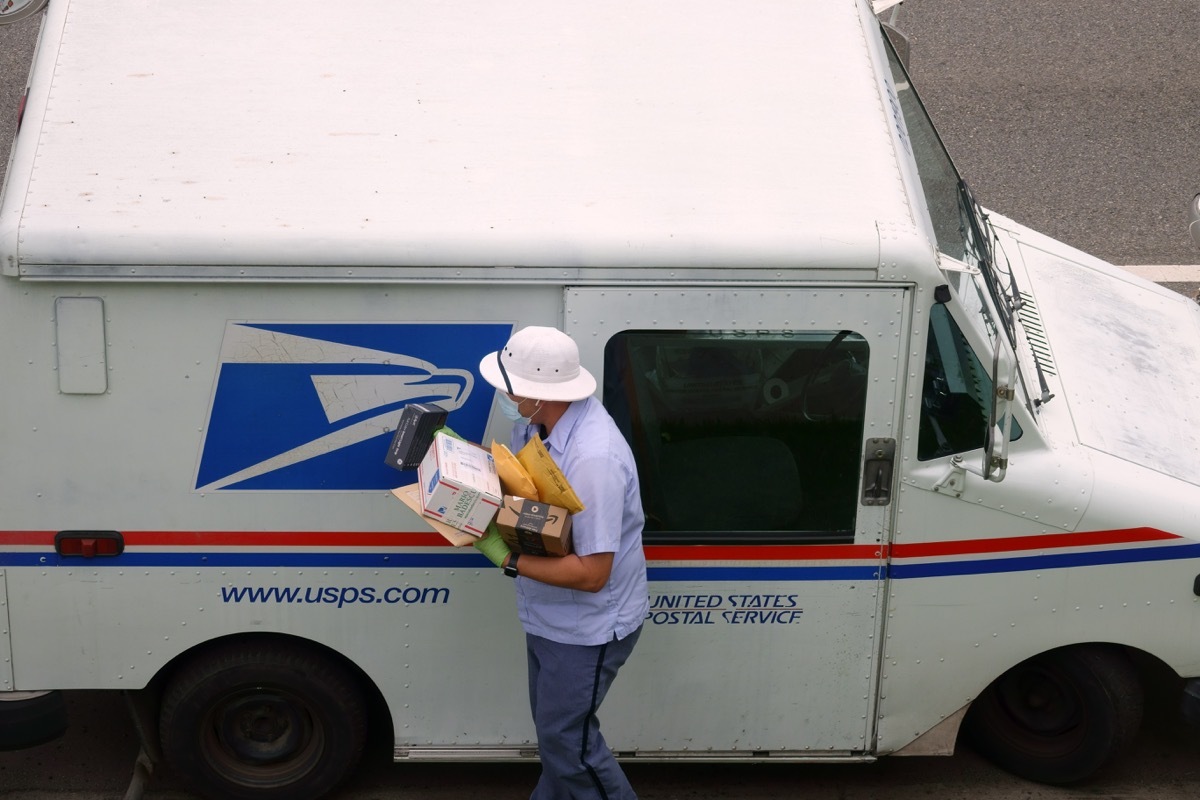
x=510, y=569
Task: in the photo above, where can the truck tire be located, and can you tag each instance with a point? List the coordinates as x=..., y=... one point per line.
x=28, y=719
x=1060, y=716
x=263, y=721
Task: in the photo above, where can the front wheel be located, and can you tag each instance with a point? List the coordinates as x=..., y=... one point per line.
x=263, y=721
x=1059, y=716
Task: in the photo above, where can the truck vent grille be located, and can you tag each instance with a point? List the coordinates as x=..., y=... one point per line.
x=1031, y=320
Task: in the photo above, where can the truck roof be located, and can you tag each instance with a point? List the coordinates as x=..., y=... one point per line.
x=456, y=133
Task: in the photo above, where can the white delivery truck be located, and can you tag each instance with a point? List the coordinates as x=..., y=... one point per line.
x=910, y=469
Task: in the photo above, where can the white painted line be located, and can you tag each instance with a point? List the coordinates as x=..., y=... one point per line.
x=1166, y=273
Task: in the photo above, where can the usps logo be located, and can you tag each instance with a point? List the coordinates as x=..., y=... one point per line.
x=312, y=406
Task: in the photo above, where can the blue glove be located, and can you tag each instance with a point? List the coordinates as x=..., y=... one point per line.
x=493, y=546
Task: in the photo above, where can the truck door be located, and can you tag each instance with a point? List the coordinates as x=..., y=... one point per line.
x=752, y=413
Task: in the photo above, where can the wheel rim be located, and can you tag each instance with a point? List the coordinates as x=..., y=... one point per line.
x=1044, y=712
x=262, y=737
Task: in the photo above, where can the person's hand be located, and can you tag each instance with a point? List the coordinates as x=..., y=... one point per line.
x=493, y=546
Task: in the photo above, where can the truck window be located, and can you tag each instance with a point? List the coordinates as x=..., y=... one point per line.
x=956, y=393
x=741, y=436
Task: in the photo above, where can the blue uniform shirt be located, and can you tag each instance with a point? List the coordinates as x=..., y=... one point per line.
x=596, y=459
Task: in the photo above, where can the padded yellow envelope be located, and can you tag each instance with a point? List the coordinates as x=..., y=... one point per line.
x=514, y=478
x=551, y=484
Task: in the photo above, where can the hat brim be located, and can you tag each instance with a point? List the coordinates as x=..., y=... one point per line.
x=581, y=386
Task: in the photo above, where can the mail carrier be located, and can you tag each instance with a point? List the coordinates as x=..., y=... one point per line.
x=911, y=471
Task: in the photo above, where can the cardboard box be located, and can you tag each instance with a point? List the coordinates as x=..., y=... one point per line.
x=533, y=527
x=459, y=485
x=414, y=434
x=411, y=496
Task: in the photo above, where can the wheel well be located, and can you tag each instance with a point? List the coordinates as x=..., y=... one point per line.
x=1160, y=683
x=1155, y=675
x=1061, y=715
x=148, y=701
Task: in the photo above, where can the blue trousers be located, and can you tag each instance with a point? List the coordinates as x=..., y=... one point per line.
x=567, y=684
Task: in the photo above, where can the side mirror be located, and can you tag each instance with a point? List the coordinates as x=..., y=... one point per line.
x=1194, y=215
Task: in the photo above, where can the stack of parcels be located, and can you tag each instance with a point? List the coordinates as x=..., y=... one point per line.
x=463, y=489
x=457, y=489
x=538, y=501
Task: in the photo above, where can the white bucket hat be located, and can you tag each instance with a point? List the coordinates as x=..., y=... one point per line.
x=539, y=363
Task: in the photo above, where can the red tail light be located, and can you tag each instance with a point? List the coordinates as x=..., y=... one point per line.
x=88, y=544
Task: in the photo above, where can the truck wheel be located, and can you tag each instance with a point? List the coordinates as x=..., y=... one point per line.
x=28, y=719
x=1059, y=716
x=263, y=721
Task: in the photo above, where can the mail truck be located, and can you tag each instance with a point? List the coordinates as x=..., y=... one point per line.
x=911, y=471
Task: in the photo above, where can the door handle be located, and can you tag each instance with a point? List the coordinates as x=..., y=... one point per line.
x=879, y=458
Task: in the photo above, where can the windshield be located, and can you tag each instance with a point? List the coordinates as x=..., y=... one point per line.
x=960, y=226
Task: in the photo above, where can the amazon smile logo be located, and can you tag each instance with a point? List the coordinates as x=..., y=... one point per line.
x=311, y=406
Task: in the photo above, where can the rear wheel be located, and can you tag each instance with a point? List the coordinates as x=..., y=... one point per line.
x=28, y=719
x=1059, y=716
x=263, y=721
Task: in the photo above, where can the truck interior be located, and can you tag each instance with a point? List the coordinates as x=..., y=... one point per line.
x=742, y=437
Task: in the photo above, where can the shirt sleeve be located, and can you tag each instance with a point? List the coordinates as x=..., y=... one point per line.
x=600, y=484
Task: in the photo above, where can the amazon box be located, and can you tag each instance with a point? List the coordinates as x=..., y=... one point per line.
x=533, y=527
x=414, y=435
x=459, y=485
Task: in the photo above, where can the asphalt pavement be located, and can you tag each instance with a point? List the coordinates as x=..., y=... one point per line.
x=1078, y=118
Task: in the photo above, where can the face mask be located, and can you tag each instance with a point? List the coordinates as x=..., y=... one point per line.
x=511, y=409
